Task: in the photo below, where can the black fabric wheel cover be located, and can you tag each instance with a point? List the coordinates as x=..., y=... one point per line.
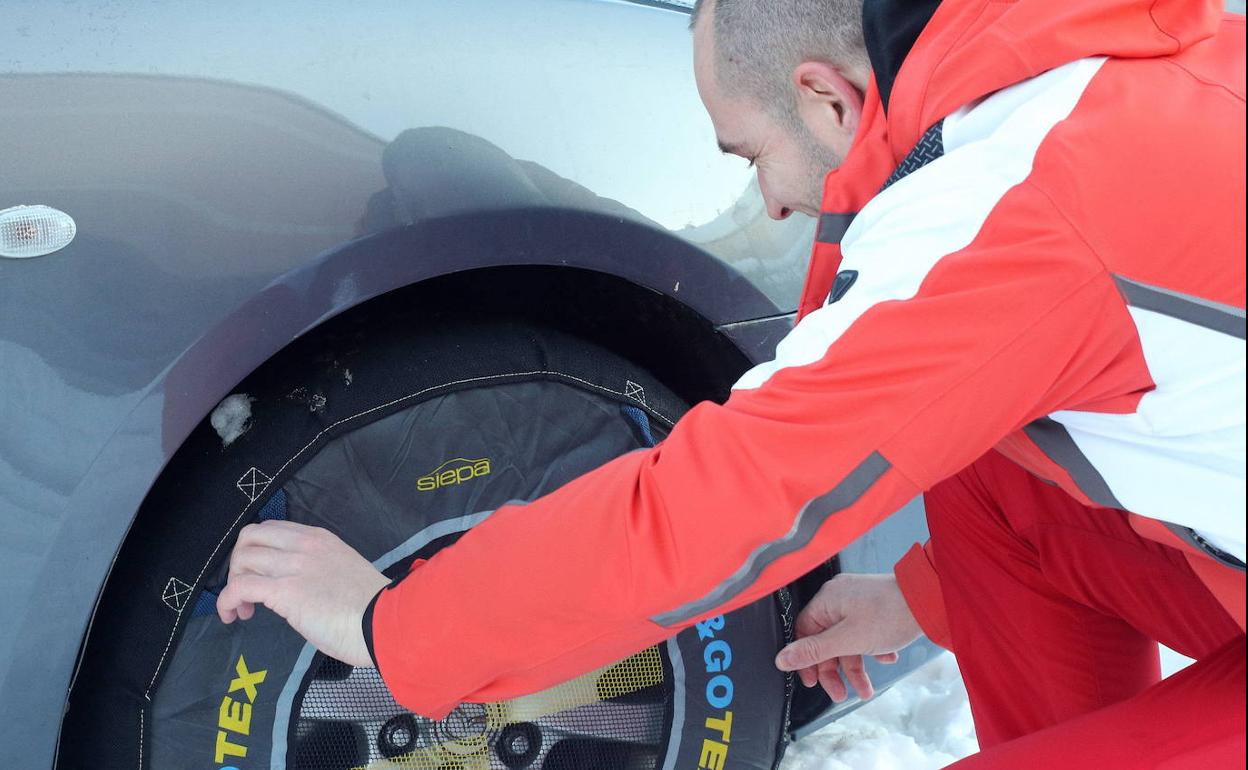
x=398, y=444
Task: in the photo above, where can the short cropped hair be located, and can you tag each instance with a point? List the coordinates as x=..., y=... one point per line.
x=758, y=43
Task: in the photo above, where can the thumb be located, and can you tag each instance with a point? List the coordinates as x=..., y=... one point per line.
x=813, y=650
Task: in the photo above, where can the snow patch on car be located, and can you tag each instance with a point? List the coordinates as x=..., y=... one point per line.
x=232, y=417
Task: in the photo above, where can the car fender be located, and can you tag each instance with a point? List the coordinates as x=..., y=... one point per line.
x=103, y=504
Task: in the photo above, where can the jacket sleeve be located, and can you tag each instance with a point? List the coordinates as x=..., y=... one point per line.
x=870, y=401
x=920, y=585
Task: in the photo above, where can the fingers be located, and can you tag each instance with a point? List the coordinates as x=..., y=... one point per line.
x=855, y=671
x=807, y=657
x=835, y=673
x=806, y=652
x=810, y=650
x=244, y=611
x=830, y=678
x=286, y=535
x=265, y=552
x=811, y=621
x=262, y=560
x=243, y=592
x=834, y=631
x=809, y=676
x=815, y=661
x=821, y=613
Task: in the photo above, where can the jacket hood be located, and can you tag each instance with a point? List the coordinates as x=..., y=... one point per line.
x=929, y=58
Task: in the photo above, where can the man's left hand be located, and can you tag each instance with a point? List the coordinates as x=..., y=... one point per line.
x=307, y=575
x=851, y=616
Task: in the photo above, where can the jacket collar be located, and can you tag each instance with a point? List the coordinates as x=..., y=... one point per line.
x=930, y=57
x=890, y=28
x=846, y=190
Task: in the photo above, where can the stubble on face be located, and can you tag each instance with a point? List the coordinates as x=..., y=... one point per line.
x=736, y=117
x=818, y=161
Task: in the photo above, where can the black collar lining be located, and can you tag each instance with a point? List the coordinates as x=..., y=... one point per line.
x=890, y=28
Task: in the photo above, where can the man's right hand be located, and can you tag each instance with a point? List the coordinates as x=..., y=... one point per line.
x=851, y=616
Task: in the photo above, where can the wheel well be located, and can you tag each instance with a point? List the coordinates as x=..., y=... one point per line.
x=653, y=330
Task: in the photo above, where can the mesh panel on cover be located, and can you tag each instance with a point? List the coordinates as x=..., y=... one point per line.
x=614, y=717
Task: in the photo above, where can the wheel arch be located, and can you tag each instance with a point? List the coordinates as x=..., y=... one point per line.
x=486, y=262
x=674, y=286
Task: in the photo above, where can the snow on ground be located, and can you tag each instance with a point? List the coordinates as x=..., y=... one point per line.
x=922, y=723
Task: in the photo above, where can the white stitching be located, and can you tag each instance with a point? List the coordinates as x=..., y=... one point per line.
x=140, y=739
x=253, y=483
x=634, y=391
x=169, y=642
x=175, y=594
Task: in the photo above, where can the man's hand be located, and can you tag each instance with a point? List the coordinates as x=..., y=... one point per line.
x=318, y=583
x=851, y=616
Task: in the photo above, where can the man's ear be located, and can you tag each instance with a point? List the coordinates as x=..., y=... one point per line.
x=828, y=103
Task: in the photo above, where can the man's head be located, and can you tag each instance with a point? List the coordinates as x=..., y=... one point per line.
x=782, y=81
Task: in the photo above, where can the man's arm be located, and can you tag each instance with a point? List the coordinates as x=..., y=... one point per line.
x=869, y=401
x=856, y=416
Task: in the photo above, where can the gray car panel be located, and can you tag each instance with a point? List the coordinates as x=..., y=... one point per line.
x=226, y=165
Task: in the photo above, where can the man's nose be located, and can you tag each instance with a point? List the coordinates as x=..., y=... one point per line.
x=775, y=210
x=778, y=212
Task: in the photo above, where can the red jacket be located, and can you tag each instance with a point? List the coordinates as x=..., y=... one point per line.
x=1054, y=268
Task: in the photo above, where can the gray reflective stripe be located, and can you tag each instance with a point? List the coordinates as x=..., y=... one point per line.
x=678, y=704
x=1227, y=319
x=1055, y=441
x=832, y=227
x=809, y=520
x=1193, y=538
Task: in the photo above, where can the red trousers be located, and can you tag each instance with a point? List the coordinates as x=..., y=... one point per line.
x=1055, y=611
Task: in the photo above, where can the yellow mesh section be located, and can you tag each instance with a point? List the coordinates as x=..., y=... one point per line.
x=645, y=669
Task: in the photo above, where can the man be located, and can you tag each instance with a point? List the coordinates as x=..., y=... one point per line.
x=1026, y=299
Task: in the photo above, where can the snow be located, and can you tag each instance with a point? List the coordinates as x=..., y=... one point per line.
x=923, y=722
x=232, y=417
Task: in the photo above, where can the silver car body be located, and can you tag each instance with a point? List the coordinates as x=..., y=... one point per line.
x=220, y=160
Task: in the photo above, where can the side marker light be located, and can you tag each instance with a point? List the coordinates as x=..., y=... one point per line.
x=33, y=231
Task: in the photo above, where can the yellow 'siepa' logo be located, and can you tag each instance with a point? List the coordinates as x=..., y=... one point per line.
x=452, y=472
